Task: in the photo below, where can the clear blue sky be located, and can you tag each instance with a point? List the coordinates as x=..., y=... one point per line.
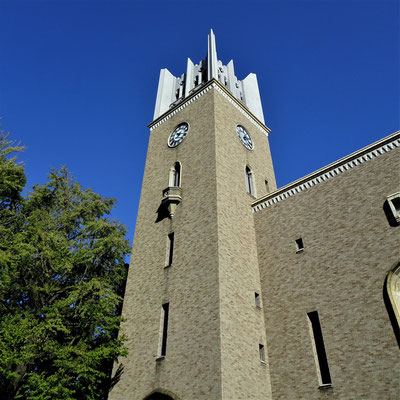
x=78, y=79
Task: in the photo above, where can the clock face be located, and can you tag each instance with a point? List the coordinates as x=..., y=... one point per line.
x=178, y=134
x=244, y=137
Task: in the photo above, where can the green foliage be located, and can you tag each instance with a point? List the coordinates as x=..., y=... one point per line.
x=12, y=175
x=62, y=273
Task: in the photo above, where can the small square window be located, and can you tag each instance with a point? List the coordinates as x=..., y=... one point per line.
x=394, y=205
x=299, y=245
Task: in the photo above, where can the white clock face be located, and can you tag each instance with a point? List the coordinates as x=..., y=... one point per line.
x=244, y=137
x=178, y=134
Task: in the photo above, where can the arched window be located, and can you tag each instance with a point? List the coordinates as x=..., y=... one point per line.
x=391, y=295
x=249, y=181
x=175, y=175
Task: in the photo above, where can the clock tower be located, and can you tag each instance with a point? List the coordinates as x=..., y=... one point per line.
x=192, y=308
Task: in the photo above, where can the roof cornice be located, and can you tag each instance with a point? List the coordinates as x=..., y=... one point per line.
x=330, y=171
x=211, y=84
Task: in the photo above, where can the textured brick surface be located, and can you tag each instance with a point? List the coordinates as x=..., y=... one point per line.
x=191, y=368
x=211, y=284
x=214, y=327
x=349, y=249
x=242, y=324
x=223, y=254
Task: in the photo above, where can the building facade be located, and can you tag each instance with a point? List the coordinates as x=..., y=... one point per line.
x=239, y=290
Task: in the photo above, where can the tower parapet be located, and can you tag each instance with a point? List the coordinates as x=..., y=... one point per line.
x=173, y=90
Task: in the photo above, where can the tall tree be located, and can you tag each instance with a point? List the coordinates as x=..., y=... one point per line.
x=12, y=174
x=62, y=269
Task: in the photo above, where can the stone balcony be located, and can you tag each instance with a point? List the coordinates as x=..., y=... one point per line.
x=171, y=197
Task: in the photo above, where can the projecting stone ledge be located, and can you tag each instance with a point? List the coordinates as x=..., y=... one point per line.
x=171, y=197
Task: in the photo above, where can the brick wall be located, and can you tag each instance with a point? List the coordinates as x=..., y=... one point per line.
x=349, y=249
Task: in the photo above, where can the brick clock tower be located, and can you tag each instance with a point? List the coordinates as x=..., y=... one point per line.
x=192, y=309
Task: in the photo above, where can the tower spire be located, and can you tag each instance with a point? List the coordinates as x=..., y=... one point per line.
x=173, y=90
x=212, y=59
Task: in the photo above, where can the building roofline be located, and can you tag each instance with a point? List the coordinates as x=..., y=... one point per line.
x=173, y=89
x=198, y=92
x=367, y=153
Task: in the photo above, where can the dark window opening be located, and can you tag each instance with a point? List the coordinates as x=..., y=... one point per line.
x=396, y=204
x=165, y=308
x=177, y=174
x=299, y=244
x=249, y=181
x=320, y=348
x=267, y=186
x=262, y=352
x=257, y=299
x=170, y=248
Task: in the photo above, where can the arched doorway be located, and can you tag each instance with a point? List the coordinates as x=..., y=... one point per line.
x=158, y=396
x=161, y=394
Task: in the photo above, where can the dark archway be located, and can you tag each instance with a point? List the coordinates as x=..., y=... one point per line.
x=158, y=396
x=161, y=394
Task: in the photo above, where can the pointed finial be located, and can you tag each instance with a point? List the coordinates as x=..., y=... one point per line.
x=173, y=90
x=212, y=60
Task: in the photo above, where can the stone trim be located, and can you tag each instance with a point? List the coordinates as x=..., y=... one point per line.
x=212, y=84
x=264, y=129
x=391, y=284
x=330, y=171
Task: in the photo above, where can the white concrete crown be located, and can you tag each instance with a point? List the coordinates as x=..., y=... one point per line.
x=172, y=90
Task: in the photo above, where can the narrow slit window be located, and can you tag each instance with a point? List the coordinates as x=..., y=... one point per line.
x=299, y=245
x=249, y=181
x=267, y=186
x=257, y=299
x=164, y=333
x=170, y=249
x=261, y=352
x=321, y=360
